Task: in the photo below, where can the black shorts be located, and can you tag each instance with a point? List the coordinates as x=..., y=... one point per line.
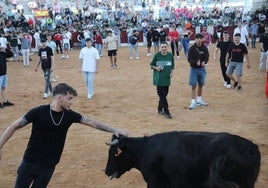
x=112, y=53
x=149, y=44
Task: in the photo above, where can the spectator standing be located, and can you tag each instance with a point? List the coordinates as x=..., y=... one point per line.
x=25, y=49
x=66, y=44
x=97, y=39
x=210, y=30
x=253, y=30
x=198, y=57
x=133, y=44
x=89, y=61
x=81, y=38
x=264, y=49
x=14, y=46
x=50, y=124
x=219, y=32
x=223, y=47
x=261, y=30
x=207, y=37
x=111, y=44
x=243, y=33
x=163, y=66
x=148, y=36
x=58, y=40
x=174, y=41
x=162, y=34
x=4, y=54
x=52, y=45
x=46, y=60
x=37, y=39
x=185, y=40
x=155, y=39
x=234, y=60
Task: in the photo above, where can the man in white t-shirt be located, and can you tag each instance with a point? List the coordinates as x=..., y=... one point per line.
x=242, y=31
x=89, y=61
x=37, y=39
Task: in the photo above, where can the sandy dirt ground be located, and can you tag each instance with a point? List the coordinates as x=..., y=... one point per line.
x=125, y=98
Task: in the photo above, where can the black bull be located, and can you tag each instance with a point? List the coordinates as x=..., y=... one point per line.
x=187, y=160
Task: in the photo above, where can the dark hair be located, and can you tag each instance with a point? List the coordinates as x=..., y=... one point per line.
x=164, y=42
x=64, y=89
x=226, y=33
x=237, y=35
x=199, y=36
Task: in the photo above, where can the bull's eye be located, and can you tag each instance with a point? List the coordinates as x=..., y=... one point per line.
x=119, y=151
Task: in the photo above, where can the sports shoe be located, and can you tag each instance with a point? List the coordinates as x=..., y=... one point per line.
x=160, y=111
x=1, y=106
x=130, y=58
x=67, y=56
x=115, y=66
x=53, y=80
x=168, y=115
x=89, y=97
x=192, y=106
x=225, y=84
x=201, y=103
x=228, y=86
x=45, y=96
x=239, y=88
x=7, y=104
x=137, y=58
x=50, y=94
x=235, y=84
x=62, y=57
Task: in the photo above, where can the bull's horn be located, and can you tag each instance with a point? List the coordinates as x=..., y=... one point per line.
x=115, y=141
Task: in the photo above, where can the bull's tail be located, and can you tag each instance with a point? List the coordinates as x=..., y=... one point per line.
x=235, y=172
x=215, y=179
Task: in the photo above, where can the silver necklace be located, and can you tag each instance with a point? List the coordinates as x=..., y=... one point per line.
x=57, y=124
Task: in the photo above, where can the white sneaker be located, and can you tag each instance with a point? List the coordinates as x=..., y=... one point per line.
x=53, y=80
x=228, y=86
x=201, y=103
x=62, y=57
x=89, y=97
x=137, y=58
x=50, y=94
x=178, y=57
x=67, y=57
x=148, y=55
x=225, y=84
x=45, y=95
x=192, y=106
x=130, y=58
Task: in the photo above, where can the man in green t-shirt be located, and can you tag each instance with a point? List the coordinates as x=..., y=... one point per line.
x=163, y=66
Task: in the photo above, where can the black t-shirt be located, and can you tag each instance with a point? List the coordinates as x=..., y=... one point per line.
x=156, y=36
x=3, y=61
x=237, y=52
x=45, y=56
x=47, y=139
x=162, y=35
x=264, y=40
x=223, y=46
x=134, y=39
